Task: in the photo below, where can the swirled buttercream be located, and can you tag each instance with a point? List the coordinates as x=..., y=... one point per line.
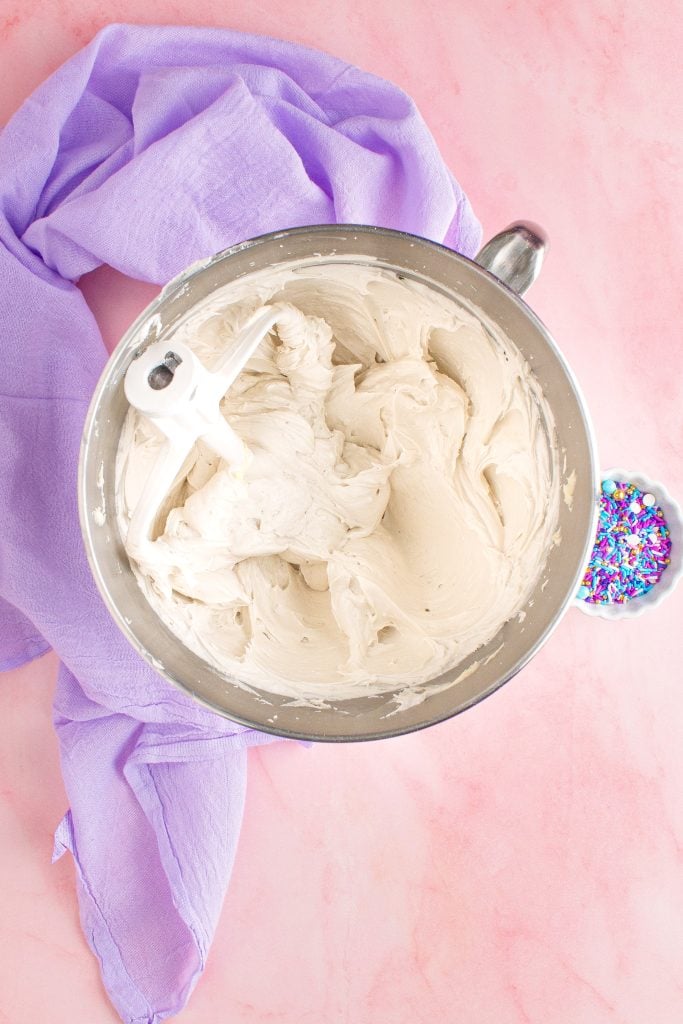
x=398, y=506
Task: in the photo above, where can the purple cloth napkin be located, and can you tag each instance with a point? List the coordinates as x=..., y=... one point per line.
x=151, y=148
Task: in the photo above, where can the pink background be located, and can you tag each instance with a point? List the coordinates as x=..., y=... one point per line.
x=521, y=864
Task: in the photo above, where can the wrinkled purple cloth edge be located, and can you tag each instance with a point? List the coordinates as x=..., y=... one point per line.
x=151, y=148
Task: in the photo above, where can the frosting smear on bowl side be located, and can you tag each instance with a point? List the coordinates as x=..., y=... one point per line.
x=400, y=500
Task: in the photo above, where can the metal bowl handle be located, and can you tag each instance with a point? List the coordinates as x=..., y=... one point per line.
x=515, y=256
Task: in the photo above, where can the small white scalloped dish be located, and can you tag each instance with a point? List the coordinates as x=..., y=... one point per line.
x=673, y=572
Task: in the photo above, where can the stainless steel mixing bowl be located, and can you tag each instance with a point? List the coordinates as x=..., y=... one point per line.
x=514, y=257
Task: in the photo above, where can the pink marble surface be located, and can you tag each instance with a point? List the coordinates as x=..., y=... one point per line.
x=522, y=863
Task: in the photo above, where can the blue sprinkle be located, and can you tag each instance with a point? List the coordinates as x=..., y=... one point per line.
x=609, y=486
x=582, y=593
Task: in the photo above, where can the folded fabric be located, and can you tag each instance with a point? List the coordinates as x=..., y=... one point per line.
x=151, y=148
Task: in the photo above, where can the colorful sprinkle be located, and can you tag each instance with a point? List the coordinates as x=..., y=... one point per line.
x=632, y=546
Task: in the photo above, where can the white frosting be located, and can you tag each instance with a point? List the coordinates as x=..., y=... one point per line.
x=400, y=501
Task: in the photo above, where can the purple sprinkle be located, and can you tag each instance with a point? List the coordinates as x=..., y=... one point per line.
x=632, y=547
